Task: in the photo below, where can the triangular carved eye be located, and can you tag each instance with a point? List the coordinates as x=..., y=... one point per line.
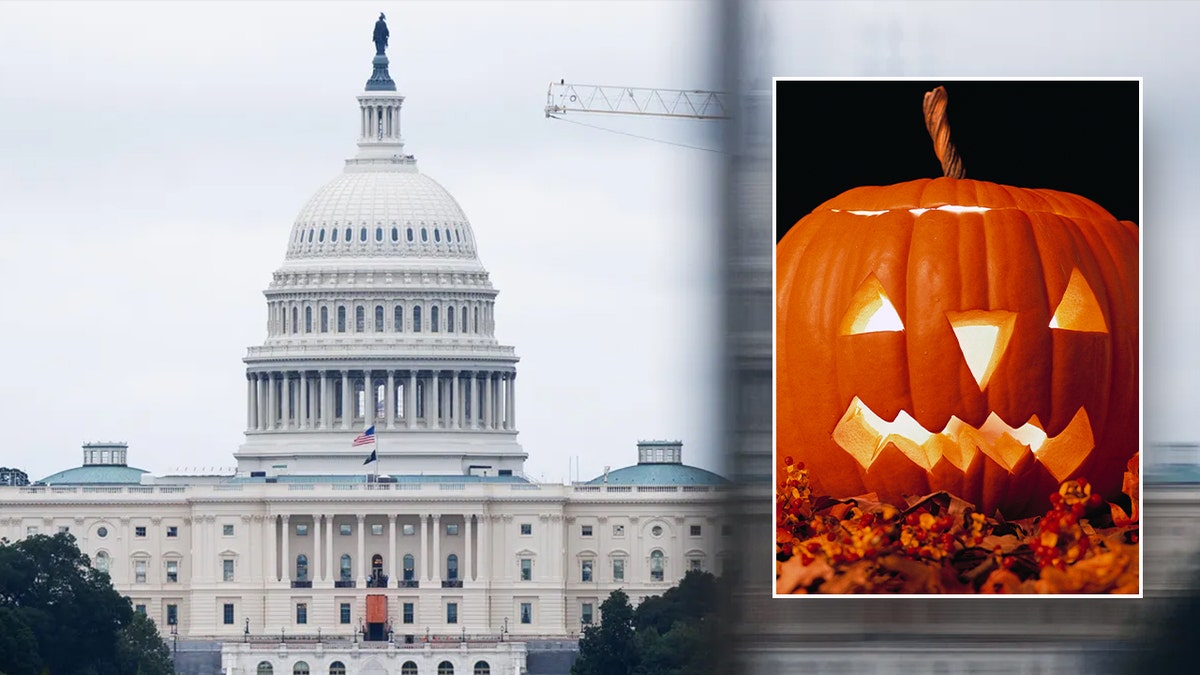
x=870, y=311
x=1078, y=310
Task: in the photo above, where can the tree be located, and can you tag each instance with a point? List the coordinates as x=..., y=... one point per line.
x=60, y=615
x=610, y=647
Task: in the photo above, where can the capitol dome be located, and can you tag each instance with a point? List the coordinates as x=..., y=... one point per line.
x=382, y=213
x=381, y=320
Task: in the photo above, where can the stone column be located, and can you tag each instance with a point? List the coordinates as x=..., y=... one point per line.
x=458, y=399
x=485, y=546
x=488, y=412
x=437, y=549
x=316, y=556
x=347, y=405
x=362, y=564
x=286, y=567
x=389, y=400
x=324, y=400
x=305, y=413
x=249, y=401
x=270, y=400
x=436, y=412
x=469, y=573
x=423, y=573
x=391, y=551
x=410, y=400
x=259, y=402
x=512, y=400
x=272, y=556
x=330, y=570
x=368, y=399
x=285, y=408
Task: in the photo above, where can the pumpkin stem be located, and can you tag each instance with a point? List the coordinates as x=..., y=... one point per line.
x=939, y=130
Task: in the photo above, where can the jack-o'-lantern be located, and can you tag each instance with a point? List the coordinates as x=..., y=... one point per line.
x=959, y=335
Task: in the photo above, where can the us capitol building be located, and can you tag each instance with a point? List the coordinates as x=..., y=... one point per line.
x=449, y=561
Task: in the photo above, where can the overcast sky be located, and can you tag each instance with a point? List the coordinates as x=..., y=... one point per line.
x=153, y=157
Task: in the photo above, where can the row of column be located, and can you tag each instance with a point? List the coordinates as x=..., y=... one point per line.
x=304, y=400
x=381, y=121
x=322, y=564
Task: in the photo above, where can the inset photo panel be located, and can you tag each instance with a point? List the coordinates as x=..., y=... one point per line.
x=958, y=337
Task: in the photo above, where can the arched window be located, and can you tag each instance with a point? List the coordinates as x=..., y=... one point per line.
x=424, y=235
x=301, y=668
x=398, y=318
x=102, y=561
x=324, y=319
x=449, y=319
x=295, y=319
x=377, y=564
x=395, y=234
x=264, y=668
x=283, y=318
x=378, y=318
x=346, y=571
x=360, y=319
x=408, y=567
x=320, y=240
x=308, y=319
x=362, y=234
x=337, y=668
x=656, y=565
x=341, y=320
x=476, y=322
x=417, y=319
x=437, y=235
x=333, y=235
x=452, y=567
x=348, y=236
x=409, y=234
x=301, y=567
x=433, y=319
x=447, y=235
x=379, y=234
x=409, y=668
x=445, y=668
x=464, y=319
x=482, y=668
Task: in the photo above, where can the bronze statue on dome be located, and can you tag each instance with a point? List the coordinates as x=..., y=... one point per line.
x=381, y=35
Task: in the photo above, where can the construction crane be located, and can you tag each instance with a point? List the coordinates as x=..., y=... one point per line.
x=589, y=98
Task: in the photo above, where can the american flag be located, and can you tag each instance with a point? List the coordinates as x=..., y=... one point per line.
x=365, y=438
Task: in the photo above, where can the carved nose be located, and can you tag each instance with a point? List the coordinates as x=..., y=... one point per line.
x=983, y=338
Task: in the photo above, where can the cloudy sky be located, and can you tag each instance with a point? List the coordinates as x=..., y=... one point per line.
x=153, y=157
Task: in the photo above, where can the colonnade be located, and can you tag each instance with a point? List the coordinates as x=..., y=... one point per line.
x=380, y=119
x=324, y=567
x=411, y=399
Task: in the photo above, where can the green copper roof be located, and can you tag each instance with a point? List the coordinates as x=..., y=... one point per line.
x=660, y=474
x=96, y=474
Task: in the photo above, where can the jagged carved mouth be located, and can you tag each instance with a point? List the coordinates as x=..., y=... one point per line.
x=863, y=434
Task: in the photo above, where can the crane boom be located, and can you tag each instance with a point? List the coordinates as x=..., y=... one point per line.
x=693, y=104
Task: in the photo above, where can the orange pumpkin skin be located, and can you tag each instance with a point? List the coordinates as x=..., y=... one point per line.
x=1027, y=253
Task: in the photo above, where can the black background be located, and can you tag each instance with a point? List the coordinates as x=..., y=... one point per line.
x=1074, y=136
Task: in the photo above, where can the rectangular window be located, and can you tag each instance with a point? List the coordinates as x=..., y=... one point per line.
x=228, y=614
x=344, y=613
x=139, y=531
x=139, y=571
x=140, y=609
x=227, y=530
x=694, y=530
x=618, y=569
x=452, y=529
x=694, y=565
x=227, y=569
x=407, y=612
x=585, y=570
x=172, y=615
x=31, y=531
x=172, y=531
x=376, y=529
x=408, y=530
x=302, y=530
x=301, y=612
x=585, y=613
x=345, y=530
x=172, y=571
x=526, y=528
x=618, y=530
x=64, y=529
x=526, y=569
x=585, y=530
x=451, y=612
x=526, y=612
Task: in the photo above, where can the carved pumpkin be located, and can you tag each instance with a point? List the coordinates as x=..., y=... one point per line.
x=954, y=334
